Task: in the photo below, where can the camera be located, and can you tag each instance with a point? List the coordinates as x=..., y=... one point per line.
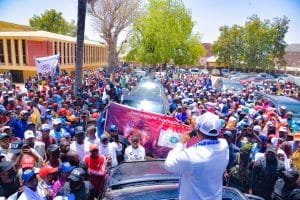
x=193, y=133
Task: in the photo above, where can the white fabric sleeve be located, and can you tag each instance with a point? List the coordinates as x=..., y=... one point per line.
x=178, y=160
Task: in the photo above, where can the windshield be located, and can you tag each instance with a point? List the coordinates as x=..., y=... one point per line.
x=194, y=70
x=233, y=85
x=295, y=108
x=146, y=105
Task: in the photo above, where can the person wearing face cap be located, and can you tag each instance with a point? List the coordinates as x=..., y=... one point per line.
x=79, y=143
x=233, y=150
x=20, y=125
x=48, y=176
x=64, y=171
x=265, y=172
x=9, y=183
x=282, y=112
x=77, y=187
x=197, y=164
x=96, y=164
x=30, y=182
x=285, y=185
x=57, y=132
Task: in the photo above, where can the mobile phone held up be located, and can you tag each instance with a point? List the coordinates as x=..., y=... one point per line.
x=193, y=133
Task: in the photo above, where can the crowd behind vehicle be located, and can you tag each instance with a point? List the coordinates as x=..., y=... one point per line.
x=54, y=146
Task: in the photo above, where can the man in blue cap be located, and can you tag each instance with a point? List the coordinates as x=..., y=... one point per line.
x=30, y=183
x=64, y=170
x=120, y=140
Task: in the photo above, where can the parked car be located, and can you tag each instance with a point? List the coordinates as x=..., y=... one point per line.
x=216, y=72
x=225, y=72
x=223, y=84
x=290, y=103
x=204, y=72
x=149, y=180
x=266, y=75
x=256, y=79
x=148, y=95
x=194, y=70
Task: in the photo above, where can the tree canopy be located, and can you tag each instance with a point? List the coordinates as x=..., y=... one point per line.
x=110, y=18
x=256, y=45
x=164, y=32
x=53, y=21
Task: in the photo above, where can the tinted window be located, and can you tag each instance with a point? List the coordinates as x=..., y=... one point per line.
x=1, y=52
x=145, y=105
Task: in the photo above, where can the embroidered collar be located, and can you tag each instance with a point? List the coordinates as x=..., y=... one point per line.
x=207, y=142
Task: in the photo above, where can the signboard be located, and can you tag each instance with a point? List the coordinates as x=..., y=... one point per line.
x=47, y=66
x=158, y=133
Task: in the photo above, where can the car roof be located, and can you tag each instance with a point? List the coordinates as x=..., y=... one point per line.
x=282, y=99
x=141, y=171
x=147, y=89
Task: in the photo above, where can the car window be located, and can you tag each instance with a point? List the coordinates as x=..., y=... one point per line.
x=145, y=105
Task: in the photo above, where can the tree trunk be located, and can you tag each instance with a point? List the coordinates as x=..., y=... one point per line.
x=113, y=60
x=79, y=44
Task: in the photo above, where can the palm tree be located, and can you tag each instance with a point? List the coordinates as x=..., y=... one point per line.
x=79, y=44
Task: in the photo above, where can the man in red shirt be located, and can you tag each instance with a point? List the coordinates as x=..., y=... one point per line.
x=96, y=164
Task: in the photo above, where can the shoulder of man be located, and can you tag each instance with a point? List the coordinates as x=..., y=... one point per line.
x=260, y=163
x=280, y=165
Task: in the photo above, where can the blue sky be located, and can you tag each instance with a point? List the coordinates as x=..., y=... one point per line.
x=208, y=15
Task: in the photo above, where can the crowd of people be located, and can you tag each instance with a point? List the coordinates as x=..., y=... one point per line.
x=53, y=143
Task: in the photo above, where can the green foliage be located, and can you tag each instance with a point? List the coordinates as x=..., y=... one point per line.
x=164, y=32
x=53, y=21
x=258, y=44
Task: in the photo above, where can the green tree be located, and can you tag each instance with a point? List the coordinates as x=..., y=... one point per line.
x=257, y=45
x=229, y=46
x=279, y=28
x=53, y=21
x=164, y=32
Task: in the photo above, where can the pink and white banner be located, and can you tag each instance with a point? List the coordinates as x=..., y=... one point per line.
x=159, y=133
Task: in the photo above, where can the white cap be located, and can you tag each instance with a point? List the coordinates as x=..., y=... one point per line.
x=282, y=129
x=28, y=134
x=283, y=107
x=46, y=126
x=56, y=121
x=257, y=128
x=209, y=124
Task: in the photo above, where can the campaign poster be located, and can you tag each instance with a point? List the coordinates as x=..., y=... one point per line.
x=47, y=66
x=158, y=133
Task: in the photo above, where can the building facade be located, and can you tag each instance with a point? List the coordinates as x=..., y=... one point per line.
x=19, y=49
x=292, y=55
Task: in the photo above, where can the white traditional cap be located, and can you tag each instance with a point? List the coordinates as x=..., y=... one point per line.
x=283, y=129
x=28, y=134
x=56, y=121
x=257, y=128
x=209, y=124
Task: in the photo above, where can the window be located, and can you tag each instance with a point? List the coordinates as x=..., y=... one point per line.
x=55, y=46
x=84, y=53
x=60, y=50
x=9, y=51
x=65, y=53
x=24, y=52
x=68, y=53
x=17, y=51
x=1, y=52
x=75, y=52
